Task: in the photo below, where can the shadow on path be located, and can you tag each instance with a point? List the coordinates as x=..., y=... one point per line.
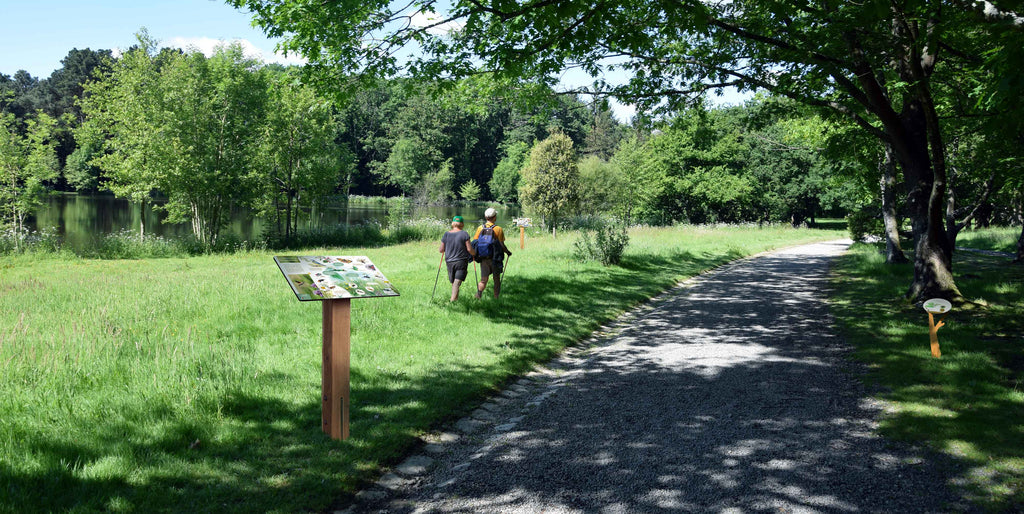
x=731, y=394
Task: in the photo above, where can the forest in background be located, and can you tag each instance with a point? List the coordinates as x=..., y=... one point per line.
x=201, y=134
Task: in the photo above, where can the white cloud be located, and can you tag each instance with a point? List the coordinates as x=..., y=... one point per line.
x=421, y=19
x=206, y=45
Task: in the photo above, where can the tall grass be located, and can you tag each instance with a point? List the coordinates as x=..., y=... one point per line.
x=128, y=244
x=968, y=404
x=999, y=239
x=193, y=383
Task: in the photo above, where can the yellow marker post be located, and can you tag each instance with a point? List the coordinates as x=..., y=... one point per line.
x=933, y=307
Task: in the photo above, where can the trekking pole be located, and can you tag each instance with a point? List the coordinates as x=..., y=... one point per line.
x=504, y=269
x=437, y=277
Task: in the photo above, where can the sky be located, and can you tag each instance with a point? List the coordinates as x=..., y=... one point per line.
x=36, y=35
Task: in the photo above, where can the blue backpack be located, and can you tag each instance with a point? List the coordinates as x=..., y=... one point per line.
x=485, y=244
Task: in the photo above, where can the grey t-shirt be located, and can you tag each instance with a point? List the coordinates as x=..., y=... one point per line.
x=455, y=246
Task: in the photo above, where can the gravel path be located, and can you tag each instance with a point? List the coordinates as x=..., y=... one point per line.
x=731, y=393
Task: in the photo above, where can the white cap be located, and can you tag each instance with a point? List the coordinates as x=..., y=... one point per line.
x=490, y=213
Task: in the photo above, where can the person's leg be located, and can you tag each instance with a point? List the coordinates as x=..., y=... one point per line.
x=497, y=284
x=457, y=276
x=455, y=289
x=485, y=271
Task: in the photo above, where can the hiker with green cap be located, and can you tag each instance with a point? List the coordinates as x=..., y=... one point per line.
x=457, y=254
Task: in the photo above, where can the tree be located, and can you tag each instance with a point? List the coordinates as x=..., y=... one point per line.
x=298, y=152
x=122, y=117
x=213, y=114
x=504, y=182
x=185, y=125
x=469, y=191
x=551, y=179
x=410, y=161
x=79, y=171
x=63, y=89
x=27, y=163
x=603, y=186
x=788, y=172
x=874, y=63
x=604, y=132
x=692, y=171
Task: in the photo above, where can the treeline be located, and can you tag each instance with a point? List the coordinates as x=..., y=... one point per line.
x=201, y=134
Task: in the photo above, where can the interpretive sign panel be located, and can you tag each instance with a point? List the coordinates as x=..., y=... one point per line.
x=331, y=277
x=335, y=281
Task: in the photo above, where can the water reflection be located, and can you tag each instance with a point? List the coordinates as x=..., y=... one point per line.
x=81, y=219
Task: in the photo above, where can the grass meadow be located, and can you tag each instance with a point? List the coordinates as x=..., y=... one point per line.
x=193, y=383
x=968, y=404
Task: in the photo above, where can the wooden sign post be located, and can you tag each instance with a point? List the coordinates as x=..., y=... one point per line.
x=335, y=281
x=522, y=223
x=335, y=369
x=936, y=306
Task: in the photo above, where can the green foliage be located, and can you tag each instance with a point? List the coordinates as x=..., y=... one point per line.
x=865, y=223
x=211, y=136
x=692, y=172
x=298, y=154
x=27, y=164
x=469, y=191
x=793, y=177
x=436, y=187
x=551, y=180
x=504, y=182
x=410, y=161
x=604, y=187
x=606, y=244
x=185, y=125
x=79, y=171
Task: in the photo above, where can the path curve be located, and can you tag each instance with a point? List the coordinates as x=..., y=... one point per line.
x=730, y=393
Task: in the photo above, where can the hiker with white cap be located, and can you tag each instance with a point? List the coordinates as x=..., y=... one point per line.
x=490, y=252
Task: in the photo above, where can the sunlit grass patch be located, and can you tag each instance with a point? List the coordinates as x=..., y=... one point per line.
x=1000, y=239
x=969, y=403
x=193, y=383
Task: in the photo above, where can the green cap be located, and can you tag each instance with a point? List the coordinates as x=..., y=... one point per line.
x=457, y=219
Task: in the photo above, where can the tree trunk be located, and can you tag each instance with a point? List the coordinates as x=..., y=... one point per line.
x=1020, y=240
x=1020, y=248
x=893, y=251
x=142, y=220
x=926, y=189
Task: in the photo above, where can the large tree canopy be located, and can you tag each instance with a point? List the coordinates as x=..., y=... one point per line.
x=878, y=63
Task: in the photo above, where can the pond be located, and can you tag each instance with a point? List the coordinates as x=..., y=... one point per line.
x=82, y=219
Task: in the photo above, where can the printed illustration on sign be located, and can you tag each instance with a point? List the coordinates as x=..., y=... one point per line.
x=330, y=277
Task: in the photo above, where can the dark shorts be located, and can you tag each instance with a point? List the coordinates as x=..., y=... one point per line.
x=457, y=270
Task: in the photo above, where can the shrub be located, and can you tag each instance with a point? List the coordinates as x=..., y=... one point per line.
x=863, y=223
x=45, y=241
x=605, y=244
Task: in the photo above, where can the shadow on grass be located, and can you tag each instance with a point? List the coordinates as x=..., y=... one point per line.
x=968, y=403
x=273, y=457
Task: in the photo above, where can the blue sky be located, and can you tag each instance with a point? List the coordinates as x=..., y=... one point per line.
x=36, y=35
